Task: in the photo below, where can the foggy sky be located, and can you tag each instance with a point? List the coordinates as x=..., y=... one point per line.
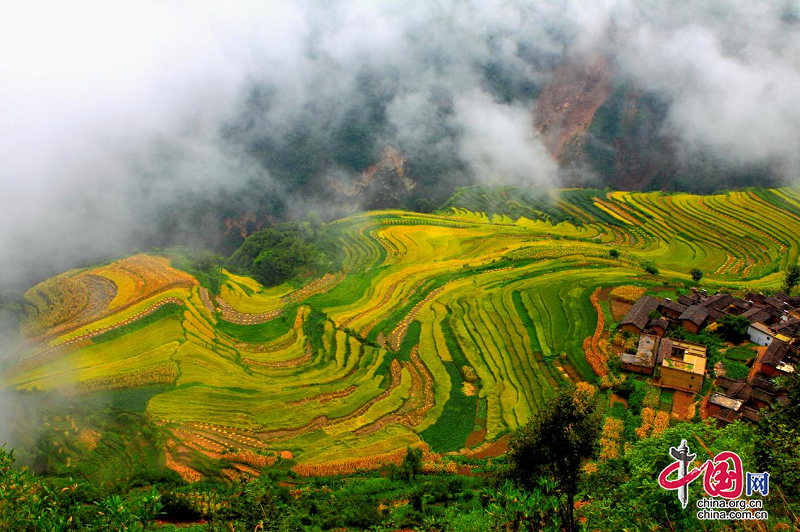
x=110, y=112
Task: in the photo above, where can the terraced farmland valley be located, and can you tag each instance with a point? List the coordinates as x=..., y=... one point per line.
x=444, y=331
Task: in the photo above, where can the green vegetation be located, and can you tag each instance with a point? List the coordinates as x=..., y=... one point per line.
x=530, y=490
x=778, y=440
x=389, y=331
x=555, y=446
x=733, y=328
x=283, y=252
x=791, y=278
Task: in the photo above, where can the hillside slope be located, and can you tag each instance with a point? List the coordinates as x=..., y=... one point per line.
x=442, y=330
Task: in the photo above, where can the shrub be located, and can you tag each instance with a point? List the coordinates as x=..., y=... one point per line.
x=733, y=328
x=651, y=269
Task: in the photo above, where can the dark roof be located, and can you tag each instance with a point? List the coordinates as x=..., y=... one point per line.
x=660, y=322
x=758, y=299
x=751, y=414
x=715, y=314
x=696, y=314
x=775, y=353
x=777, y=301
x=740, y=390
x=718, y=301
x=639, y=314
x=756, y=314
x=741, y=304
x=686, y=301
x=790, y=327
x=763, y=396
x=759, y=381
x=727, y=415
x=726, y=382
x=672, y=305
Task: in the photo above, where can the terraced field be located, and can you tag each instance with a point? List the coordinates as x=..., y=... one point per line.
x=443, y=330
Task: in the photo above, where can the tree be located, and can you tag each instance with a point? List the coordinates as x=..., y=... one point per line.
x=614, y=253
x=412, y=463
x=651, y=269
x=778, y=440
x=696, y=275
x=733, y=328
x=555, y=444
x=791, y=279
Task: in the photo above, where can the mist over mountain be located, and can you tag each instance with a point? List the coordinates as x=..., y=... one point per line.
x=156, y=124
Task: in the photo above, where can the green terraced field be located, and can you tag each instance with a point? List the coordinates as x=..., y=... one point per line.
x=358, y=366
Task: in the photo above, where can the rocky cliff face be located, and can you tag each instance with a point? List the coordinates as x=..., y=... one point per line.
x=605, y=131
x=384, y=184
x=567, y=104
x=603, y=128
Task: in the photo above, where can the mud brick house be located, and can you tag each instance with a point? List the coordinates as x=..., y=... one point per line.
x=779, y=359
x=744, y=399
x=658, y=326
x=671, y=309
x=756, y=315
x=637, y=318
x=694, y=318
x=682, y=364
x=644, y=361
x=787, y=328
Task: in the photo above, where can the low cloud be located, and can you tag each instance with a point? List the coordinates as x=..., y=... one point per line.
x=124, y=122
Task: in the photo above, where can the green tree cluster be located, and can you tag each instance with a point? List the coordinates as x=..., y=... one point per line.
x=791, y=278
x=733, y=328
x=555, y=445
x=286, y=251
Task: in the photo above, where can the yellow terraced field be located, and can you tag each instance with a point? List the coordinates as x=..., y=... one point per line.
x=438, y=324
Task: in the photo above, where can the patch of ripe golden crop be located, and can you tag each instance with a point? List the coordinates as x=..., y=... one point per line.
x=610, y=438
x=318, y=286
x=165, y=373
x=421, y=399
x=187, y=473
x=399, y=332
x=90, y=438
x=234, y=316
x=595, y=356
x=627, y=293
x=58, y=301
x=661, y=423
x=367, y=463
x=648, y=416
x=149, y=275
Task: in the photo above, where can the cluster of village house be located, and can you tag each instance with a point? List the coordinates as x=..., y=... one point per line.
x=774, y=323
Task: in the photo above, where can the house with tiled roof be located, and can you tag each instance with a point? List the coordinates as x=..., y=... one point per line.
x=756, y=314
x=694, y=318
x=637, y=318
x=778, y=359
x=670, y=309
